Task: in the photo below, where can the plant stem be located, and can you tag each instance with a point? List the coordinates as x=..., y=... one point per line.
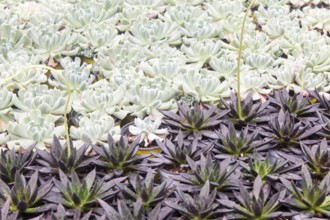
x=239, y=108
x=66, y=128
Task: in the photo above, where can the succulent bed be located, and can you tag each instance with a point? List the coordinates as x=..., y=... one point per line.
x=128, y=109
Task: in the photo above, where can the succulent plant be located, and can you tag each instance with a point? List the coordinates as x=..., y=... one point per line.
x=6, y=101
x=325, y=121
x=26, y=197
x=297, y=105
x=120, y=157
x=199, y=29
x=95, y=129
x=75, y=77
x=83, y=195
x=145, y=189
x=231, y=143
x=316, y=158
x=33, y=127
x=148, y=130
x=204, y=87
x=200, y=52
x=50, y=43
x=257, y=204
x=269, y=168
x=150, y=100
x=176, y=152
x=138, y=213
x=324, y=102
x=181, y=14
x=196, y=122
x=309, y=196
x=285, y=132
x=12, y=162
x=100, y=99
x=40, y=97
x=6, y=214
x=199, y=206
x=146, y=32
x=220, y=175
x=260, y=62
x=251, y=112
x=58, y=159
x=220, y=11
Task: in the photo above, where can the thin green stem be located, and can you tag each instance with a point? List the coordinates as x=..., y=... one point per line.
x=66, y=128
x=239, y=107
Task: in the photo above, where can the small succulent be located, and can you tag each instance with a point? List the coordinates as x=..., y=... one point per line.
x=258, y=204
x=284, y=132
x=232, y=143
x=83, y=195
x=120, y=156
x=324, y=102
x=176, y=152
x=58, y=159
x=206, y=88
x=33, y=127
x=196, y=122
x=25, y=197
x=146, y=32
x=148, y=130
x=74, y=77
x=200, y=30
x=297, y=105
x=145, y=189
x=251, y=112
x=12, y=162
x=138, y=213
x=6, y=214
x=200, y=206
x=95, y=128
x=311, y=197
x=269, y=168
x=220, y=175
x=325, y=121
x=35, y=96
x=317, y=158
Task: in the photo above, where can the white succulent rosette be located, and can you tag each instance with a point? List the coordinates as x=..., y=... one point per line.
x=200, y=52
x=220, y=10
x=33, y=128
x=260, y=62
x=163, y=69
x=306, y=80
x=74, y=76
x=119, y=56
x=16, y=72
x=181, y=14
x=94, y=129
x=100, y=36
x=317, y=18
x=224, y=66
x=91, y=14
x=252, y=82
x=276, y=12
x=146, y=32
x=198, y=29
x=148, y=130
x=192, y=2
x=317, y=56
x=150, y=99
x=36, y=96
x=53, y=43
x=5, y=108
x=203, y=87
x=280, y=77
x=14, y=38
x=129, y=15
x=99, y=99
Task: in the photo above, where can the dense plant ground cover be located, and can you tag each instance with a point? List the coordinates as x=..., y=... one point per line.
x=126, y=109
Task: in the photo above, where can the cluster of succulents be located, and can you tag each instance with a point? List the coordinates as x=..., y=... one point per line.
x=209, y=165
x=128, y=109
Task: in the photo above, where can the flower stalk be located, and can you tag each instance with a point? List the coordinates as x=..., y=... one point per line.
x=239, y=108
